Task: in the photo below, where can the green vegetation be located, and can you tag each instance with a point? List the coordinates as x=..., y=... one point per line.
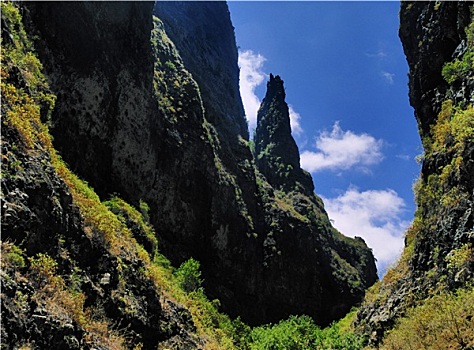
x=300, y=332
x=439, y=317
x=114, y=223
x=176, y=92
x=12, y=256
x=433, y=324
x=19, y=63
x=443, y=190
x=188, y=276
x=444, y=321
x=136, y=221
x=461, y=68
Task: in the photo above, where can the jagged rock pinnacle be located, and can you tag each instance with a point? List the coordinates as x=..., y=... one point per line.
x=276, y=151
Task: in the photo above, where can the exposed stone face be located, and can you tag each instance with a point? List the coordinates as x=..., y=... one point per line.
x=207, y=47
x=430, y=37
x=163, y=122
x=101, y=80
x=40, y=215
x=442, y=33
x=297, y=226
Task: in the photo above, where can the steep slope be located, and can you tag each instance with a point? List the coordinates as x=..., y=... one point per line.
x=438, y=39
x=132, y=120
x=276, y=278
x=72, y=273
x=208, y=49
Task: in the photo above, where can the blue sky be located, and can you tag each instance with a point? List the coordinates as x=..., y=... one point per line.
x=346, y=81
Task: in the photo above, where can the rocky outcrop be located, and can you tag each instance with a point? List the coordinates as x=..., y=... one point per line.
x=442, y=106
x=159, y=119
x=296, y=224
x=100, y=80
x=432, y=35
x=277, y=155
x=438, y=42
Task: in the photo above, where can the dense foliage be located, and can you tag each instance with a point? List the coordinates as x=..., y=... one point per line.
x=300, y=332
x=444, y=321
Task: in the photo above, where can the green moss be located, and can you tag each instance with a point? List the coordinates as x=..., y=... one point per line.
x=115, y=231
x=344, y=272
x=176, y=92
x=460, y=257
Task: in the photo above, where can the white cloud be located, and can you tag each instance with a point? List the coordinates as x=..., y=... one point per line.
x=295, y=121
x=342, y=150
x=374, y=215
x=251, y=76
x=388, y=77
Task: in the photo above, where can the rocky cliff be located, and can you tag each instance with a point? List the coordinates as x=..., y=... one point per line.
x=208, y=51
x=72, y=273
x=148, y=109
x=438, y=39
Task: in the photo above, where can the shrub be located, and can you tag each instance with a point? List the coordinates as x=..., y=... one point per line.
x=188, y=275
x=443, y=322
x=297, y=332
x=300, y=332
x=12, y=256
x=460, y=68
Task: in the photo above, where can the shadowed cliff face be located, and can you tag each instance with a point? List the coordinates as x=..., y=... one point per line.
x=100, y=65
x=430, y=38
x=204, y=36
x=438, y=40
x=70, y=273
x=283, y=272
x=158, y=118
x=438, y=102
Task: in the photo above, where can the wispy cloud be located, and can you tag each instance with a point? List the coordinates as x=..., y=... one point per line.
x=403, y=156
x=379, y=54
x=295, y=121
x=389, y=77
x=342, y=150
x=251, y=76
x=374, y=215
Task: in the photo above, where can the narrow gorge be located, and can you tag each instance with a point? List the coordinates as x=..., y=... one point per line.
x=137, y=213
